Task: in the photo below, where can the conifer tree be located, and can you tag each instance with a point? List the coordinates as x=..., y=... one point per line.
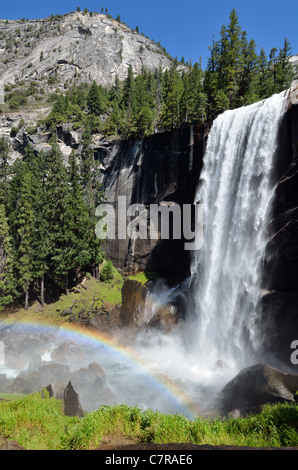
x=37, y=164
x=265, y=83
x=172, y=111
x=96, y=100
x=283, y=67
x=25, y=230
x=128, y=89
x=7, y=278
x=5, y=169
x=57, y=216
x=79, y=218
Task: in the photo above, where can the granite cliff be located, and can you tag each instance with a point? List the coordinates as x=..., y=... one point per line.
x=76, y=47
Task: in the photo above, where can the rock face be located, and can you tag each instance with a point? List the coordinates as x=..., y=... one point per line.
x=255, y=386
x=162, y=169
x=66, y=393
x=133, y=308
x=279, y=306
x=74, y=47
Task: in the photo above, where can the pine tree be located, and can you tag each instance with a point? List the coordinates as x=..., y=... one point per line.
x=38, y=165
x=194, y=100
x=272, y=66
x=284, y=70
x=128, y=89
x=96, y=100
x=7, y=278
x=265, y=84
x=25, y=230
x=172, y=112
x=5, y=169
x=247, y=93
x=93, y=196
x=79, y=218
x=114, y=123
x=57, y=215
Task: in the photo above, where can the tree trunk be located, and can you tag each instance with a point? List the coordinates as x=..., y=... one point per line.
x=42, y=290
x=97, y=272
x=66, y=284
x=27, y=299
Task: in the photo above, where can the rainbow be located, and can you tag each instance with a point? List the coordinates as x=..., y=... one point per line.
x=117, y=351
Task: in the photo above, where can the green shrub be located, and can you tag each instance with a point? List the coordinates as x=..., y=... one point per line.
x=107, y=272
x=13, y=131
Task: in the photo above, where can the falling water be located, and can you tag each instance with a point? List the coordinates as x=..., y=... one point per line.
x=236, y=191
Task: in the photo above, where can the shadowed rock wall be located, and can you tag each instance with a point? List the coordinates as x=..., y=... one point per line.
x=279, y=320
x=161, y=169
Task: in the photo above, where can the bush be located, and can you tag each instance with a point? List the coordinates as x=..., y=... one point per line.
x=14, y=131
x=107, y=272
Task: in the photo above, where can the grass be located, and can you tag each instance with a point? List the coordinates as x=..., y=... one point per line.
x=38, y=423
x=94, y=295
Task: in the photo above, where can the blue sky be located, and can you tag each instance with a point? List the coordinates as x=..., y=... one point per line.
x=184, y=28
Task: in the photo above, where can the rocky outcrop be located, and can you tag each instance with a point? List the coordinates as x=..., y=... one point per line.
x=165, y=319
x=66, y=393
x=254, y=386
x=76, y=47
x=133, y=308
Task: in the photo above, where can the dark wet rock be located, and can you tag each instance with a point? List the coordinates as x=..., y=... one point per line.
x=66, y=312
x=254, y=386
x=165, y=319
x=71, y=401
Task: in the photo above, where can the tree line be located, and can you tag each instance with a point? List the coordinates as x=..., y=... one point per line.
x=47, y=220
x=235, y=75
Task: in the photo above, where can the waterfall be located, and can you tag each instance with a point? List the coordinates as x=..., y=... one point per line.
x=236, y=191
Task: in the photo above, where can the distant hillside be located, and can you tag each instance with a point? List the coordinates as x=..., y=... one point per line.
x=74, y=48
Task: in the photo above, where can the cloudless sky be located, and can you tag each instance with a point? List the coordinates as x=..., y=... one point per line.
x=184, y=28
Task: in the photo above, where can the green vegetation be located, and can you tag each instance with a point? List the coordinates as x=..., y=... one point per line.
x=47, y=214
x=95, y=294
x=38, y=423
x=164, y=100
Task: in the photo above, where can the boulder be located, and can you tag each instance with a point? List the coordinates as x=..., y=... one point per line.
x=90, y=383
x=66, y=352
x=254, y=386
x=133, y=309
x=165, y=319
x=64, y=391
x=49, y=373
x=66, y=312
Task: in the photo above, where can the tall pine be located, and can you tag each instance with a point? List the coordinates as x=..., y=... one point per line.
x=25, y=235
x=7, y=277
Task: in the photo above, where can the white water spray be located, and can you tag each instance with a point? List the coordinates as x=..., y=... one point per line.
x=236, y=192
